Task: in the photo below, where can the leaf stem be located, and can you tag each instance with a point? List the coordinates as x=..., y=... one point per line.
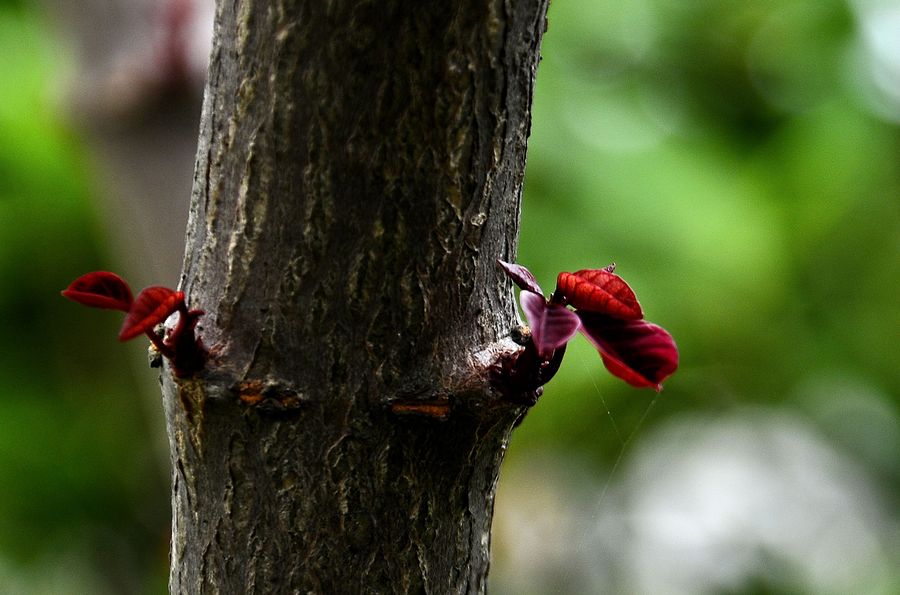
x=160, y=345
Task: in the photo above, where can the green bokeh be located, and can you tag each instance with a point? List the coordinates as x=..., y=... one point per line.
x=743, y=188
x=83, y=489
x=724, y=154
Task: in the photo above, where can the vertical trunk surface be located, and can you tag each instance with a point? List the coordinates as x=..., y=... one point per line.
x=359, y=172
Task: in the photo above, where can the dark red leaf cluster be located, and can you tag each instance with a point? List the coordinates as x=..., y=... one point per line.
x=607, y=312
x=153, y=305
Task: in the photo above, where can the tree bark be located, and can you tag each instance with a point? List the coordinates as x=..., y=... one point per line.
x=359, y=173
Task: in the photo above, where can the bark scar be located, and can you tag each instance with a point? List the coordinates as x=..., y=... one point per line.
x=437, y=408
x=269, y=395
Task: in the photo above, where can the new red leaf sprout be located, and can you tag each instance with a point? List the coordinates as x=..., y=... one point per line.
x=100, y=289
x=598, y=290
x=153, y=305
x=606, y=312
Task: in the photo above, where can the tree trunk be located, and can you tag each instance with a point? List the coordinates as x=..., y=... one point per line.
x=359, y=173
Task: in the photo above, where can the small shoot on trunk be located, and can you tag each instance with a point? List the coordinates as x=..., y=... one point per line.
x=607, y=313
x=153, y=305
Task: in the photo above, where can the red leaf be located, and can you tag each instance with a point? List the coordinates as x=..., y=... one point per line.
x=100, y=289
x=551, y=325
x=152, y=306
x=639, y=352
x=521, y=277
x=599, y=290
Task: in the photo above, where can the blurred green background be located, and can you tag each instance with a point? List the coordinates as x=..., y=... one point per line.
x=739, y=161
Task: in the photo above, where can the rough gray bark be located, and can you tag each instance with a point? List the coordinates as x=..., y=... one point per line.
x=359, y=172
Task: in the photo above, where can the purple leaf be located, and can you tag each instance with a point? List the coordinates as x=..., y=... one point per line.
x=639, y=352
x=521, y=277
x=552, y=325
